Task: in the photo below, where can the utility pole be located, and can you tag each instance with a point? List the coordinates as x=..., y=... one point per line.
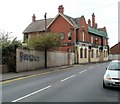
x=45, y=16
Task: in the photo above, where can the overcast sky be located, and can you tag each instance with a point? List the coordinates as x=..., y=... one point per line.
x=16, y=15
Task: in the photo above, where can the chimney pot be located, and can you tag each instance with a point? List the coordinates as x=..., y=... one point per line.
x=33, y=18
x=89, y=22
x=93, y=20
x=61, y=9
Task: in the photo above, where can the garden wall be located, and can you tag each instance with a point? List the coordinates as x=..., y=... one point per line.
x=31, y=60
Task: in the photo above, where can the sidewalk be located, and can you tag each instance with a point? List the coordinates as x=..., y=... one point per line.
x=13, y=75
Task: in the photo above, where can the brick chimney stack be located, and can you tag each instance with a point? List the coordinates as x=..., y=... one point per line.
x=89, y=22
x=61, y=9
x=33, y=18
x=93, y=20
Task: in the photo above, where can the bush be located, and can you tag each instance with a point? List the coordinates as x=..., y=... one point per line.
x=9, y=53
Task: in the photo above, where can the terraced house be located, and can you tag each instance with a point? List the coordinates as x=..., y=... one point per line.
x=85, y=39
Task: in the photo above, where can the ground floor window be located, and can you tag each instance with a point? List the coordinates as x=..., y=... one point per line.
x=92, y=53
x=96, y=53
x=81, y=53
x=85, y=55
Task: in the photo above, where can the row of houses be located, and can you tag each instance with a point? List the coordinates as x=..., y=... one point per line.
x=85, y=39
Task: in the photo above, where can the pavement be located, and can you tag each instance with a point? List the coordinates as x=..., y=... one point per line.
x=13, y=75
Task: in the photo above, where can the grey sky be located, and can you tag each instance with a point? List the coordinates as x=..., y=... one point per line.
x=16, y=14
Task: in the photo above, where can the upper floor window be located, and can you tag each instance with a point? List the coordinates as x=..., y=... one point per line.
x=62, y=35
x=91, y=39
x=105, y=41
x=83, y=36
x=29, y=36
x=70, y=36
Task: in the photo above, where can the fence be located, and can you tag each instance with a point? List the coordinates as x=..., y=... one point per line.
x=114, y=56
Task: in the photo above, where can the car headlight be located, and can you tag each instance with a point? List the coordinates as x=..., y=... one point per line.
x=108, y=77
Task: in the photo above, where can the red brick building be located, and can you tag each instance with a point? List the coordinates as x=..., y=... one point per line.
x=115, y=49
x=89, y=42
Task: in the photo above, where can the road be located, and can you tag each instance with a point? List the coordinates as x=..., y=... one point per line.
x=81, y=83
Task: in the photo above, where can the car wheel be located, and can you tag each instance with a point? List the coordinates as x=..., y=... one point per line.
x=104, y=86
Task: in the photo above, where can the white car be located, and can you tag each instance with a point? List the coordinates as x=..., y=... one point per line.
x=112, y=75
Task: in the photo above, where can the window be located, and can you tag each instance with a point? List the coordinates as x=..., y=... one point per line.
x=69, y=36
x=62, y=35
x=92, y=53
x=91, y=39
x=105, y=41
x=104, y=53
x=81, y=53
x=85, y=55
x=96, y=53
x=83, y=36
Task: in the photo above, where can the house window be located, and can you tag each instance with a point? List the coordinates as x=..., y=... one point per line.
x=92, y=53
x=69, y=36
x=104, y=54
x=96, y=53
x=81, y=53
x=85, y=55
x=62, y=35
x=91, y=39
x=83, y=36
x=25, y=37
x=105, y=41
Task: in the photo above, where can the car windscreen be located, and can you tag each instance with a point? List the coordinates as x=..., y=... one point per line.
x=114, y=66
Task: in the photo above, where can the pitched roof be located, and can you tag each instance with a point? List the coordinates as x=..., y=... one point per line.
x=97, y=32
x=38, y=25
x=69, y=19
x=74, y=21
x=115, y=45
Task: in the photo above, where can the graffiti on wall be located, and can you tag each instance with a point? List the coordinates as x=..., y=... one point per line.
x=28, y=57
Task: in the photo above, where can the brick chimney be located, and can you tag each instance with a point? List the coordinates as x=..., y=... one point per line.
x=93, y=20
x=33, y=18
x=104, y=29
x=89, y=22
x=61, y=9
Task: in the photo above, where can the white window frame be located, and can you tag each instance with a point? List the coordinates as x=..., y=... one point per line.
x=91, y=39
x=83, y=36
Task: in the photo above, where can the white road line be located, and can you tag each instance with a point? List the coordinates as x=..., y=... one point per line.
x=31, y=94
x=67, y=78
x=91, y=67
x=82, y=71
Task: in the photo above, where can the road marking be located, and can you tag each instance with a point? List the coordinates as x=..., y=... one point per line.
x=91, y=67
x=21, y=78
x=67, y=78
x=31, y=94
x=82, y=71
x=30, y=76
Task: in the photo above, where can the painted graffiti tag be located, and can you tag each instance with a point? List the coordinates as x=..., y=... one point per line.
x=26, y=57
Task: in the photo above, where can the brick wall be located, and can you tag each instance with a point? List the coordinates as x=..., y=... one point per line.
x=61, y=25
